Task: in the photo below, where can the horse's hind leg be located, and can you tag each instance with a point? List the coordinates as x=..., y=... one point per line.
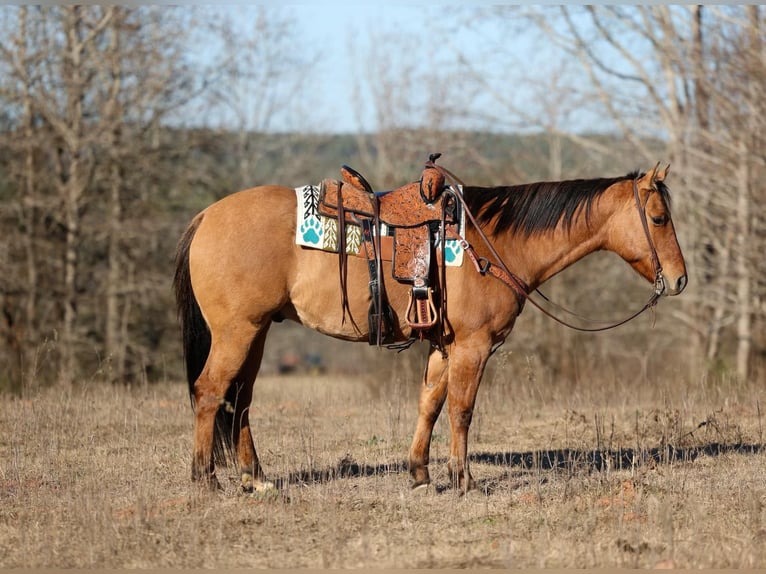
x=253, y=477
x=432, y=395
x=225, y=383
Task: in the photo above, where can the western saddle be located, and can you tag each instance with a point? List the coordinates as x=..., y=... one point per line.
x=420, y=215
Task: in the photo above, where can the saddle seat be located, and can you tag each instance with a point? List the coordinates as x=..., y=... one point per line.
x=411, y=205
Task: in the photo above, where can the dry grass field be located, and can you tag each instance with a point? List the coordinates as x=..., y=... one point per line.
x=622, y=474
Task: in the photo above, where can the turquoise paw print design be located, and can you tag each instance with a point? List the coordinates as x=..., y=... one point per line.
x=311, y=231
x=452, y=250
x=311, y=228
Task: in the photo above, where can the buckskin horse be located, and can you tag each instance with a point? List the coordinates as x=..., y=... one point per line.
x=238, y=269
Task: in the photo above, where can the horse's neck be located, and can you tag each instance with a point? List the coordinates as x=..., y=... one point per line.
x=541, y=256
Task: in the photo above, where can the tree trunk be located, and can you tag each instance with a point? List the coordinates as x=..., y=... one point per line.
x=719, y=311
x=702, y=99
x=744, y=318
x=114, y=343
x=114, y=340
x=29, y=223
x=72, y=182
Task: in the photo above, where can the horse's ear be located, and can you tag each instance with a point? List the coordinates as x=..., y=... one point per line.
x=662, y=174
x=653, y=176
x=650, y=178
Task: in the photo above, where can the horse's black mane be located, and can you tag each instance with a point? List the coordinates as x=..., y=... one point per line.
x=537, y=207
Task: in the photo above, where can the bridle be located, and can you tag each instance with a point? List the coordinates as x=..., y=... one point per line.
x=500, y=271
x=659, y=278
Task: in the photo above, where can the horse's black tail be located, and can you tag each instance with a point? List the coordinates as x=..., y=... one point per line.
x=194, y=332
x=196, y=343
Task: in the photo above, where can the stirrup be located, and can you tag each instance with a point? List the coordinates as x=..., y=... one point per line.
x=424, y=316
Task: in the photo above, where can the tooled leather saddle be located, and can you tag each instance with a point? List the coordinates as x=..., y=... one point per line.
x=420, y=215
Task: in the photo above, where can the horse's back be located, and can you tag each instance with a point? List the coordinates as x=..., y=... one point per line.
x=253, y=208
x=247, y=224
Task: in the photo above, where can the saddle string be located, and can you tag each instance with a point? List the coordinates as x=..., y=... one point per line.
x=343, y=263
x=443, y=271
x=381, y=287
x=485, y=266
x=342, y=269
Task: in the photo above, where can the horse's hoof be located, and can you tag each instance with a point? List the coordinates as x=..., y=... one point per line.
x=246, y=483
x=462, y=487
x=205, y=476
x=419, y=474
x=250, y=485
x=264, y=486
x=265, y=491
x=421, y=487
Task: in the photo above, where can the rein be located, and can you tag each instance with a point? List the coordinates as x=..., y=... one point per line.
x=500, y=271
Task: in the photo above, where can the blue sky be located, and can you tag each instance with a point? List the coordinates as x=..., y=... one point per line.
x=330, y=26
x=343, y=36
x=521, y=70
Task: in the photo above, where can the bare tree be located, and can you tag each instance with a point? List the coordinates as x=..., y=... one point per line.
x=146, y=80
x=27, y=214
x=59, y=105
x=87, y=81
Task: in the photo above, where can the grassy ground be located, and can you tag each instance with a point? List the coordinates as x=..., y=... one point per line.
x=618, y=474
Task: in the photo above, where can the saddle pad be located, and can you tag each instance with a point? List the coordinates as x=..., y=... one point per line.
x=320, y=232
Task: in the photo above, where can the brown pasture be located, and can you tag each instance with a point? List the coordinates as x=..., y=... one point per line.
x=610, y=473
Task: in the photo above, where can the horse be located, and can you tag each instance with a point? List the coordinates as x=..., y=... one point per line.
x=238, y=270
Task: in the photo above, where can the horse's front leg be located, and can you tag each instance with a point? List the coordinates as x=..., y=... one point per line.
x=432, y=395
x=466, y=367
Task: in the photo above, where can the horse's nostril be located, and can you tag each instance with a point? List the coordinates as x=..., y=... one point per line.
x=681, y=283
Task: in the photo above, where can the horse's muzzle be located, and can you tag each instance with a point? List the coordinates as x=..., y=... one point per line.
x=670, y=288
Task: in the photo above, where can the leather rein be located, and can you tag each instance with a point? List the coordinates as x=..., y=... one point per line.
x=500, y=271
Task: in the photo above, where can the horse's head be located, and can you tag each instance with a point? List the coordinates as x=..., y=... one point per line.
x=641, y=232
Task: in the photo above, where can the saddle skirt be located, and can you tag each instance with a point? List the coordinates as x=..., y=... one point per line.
x=315, y=229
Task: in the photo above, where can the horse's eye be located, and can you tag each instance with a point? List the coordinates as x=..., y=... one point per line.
x=660, y=219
